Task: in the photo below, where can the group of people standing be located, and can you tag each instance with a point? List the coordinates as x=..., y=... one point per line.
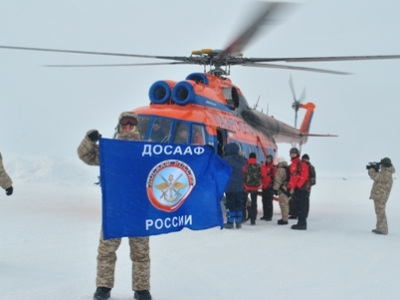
x=291, y=183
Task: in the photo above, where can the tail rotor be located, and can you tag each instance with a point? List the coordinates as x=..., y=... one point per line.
x=296, y=102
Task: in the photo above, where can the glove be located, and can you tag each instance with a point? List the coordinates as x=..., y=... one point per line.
x=275, y=192
x=9, y=191
x=94, y=135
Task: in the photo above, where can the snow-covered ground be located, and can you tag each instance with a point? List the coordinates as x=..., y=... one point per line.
x=49, y=232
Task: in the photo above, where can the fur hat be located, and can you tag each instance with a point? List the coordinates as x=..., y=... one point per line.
x=281, y=159
x=127, y=114
x=386, y=162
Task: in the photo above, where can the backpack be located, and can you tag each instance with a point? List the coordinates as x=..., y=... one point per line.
x=252, y=176
x=285, y=182
x=312, y=175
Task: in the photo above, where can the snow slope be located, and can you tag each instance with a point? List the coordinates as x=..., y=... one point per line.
x=49, y=232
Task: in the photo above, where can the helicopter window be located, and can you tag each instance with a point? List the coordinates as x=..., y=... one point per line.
x=143, y=123
x=197, y=135
x=231, y=96
x=181, y=133
x=160, y=130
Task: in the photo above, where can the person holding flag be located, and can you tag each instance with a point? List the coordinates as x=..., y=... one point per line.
x=88, y=152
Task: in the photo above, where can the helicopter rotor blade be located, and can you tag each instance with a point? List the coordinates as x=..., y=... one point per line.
x=264, y=15
x=324, y=58
x=117, y=65
x=178, y=58
x=259, y=65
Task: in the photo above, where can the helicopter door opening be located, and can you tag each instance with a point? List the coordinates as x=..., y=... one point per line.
x=221, y=139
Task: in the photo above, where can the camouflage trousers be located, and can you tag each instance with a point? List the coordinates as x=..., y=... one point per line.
x=140, y=256
x=284, y=205
x=381, y=222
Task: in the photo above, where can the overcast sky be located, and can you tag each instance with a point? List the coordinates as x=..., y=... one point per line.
x=47, y=111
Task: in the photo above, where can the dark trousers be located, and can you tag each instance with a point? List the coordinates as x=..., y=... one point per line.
x=268, y=207
x=234, y=206
x=245, y=209
x=302, y=203
x=293, y=210
x=253, y=208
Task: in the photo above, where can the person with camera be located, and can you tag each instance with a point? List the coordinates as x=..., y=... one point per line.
x=380, y=192
x=5, y=180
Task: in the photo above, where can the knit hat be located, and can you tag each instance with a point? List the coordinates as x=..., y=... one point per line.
x=386, y=162
x=252, y=155
x=305, y=156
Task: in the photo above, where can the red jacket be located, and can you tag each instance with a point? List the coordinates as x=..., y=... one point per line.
x=268, y=173
x=299, y=174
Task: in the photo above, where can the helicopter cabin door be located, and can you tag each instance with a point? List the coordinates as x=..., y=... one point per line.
x=221, y=140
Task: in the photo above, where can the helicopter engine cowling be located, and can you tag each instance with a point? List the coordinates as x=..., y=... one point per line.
x=160, y=91
x=183, y=92
x=198, y=77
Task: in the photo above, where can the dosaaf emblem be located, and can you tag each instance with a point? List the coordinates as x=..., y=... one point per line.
x=169, y=184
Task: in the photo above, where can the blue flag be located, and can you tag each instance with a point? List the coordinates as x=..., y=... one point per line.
x=150, y=188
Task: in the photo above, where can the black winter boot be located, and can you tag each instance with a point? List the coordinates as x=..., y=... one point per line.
x=102, y=293
x=282, y=222
x=142, y=295
x=228, y=226
x=299, y=227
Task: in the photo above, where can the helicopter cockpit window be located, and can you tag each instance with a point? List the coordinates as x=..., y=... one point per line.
x=181, y=134
x=143, y=123
x=197, y=135
x=160, y=130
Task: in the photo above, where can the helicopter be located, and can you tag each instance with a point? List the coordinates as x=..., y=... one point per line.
x=208, y=106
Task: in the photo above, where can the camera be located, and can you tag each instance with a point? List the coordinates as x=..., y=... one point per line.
x=374, y=165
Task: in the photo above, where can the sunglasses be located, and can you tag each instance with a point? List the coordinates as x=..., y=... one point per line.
x=128, y=121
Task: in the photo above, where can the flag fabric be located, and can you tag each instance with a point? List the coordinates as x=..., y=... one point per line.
x=150, y=189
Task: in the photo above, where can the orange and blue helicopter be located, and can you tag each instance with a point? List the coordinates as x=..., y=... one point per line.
x=208, y=106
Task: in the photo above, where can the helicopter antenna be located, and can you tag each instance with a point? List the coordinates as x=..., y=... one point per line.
x=296, y=102
x=256, y=105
